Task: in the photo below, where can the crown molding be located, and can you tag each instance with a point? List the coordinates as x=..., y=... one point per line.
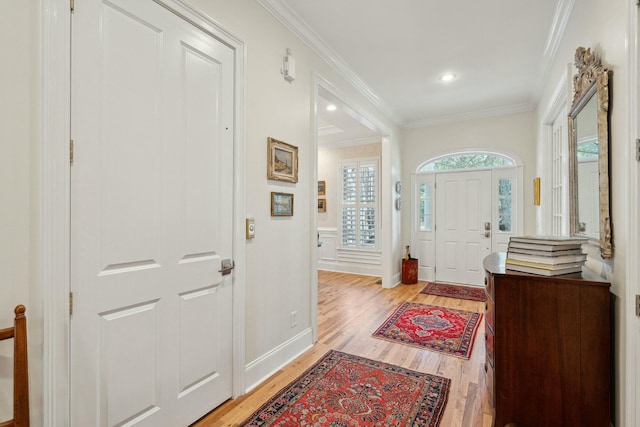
x=287, y=17
x=471, y=115
x=556, y=32
x=300, y=29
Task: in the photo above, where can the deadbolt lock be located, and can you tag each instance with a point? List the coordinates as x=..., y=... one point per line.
x=226, y=266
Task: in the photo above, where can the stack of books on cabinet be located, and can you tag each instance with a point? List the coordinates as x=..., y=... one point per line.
x=546, y=256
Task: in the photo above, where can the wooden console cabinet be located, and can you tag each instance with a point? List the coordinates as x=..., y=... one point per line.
x=548, y=348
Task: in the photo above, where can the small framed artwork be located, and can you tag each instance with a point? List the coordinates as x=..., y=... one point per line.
x=282, y=161
x=281, y=204
x=322, y=188
x=322, y=205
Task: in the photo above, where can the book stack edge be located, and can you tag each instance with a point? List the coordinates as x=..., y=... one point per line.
x=546, y=255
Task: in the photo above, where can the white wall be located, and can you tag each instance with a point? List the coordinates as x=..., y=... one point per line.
x=602, y=25
x=19, y=188
x=509, y=134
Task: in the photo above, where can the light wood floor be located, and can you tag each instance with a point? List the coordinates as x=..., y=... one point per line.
x=350, y=309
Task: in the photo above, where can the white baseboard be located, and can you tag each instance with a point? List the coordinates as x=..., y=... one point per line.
x=340, y=267
x=396, y=279
x=268, y=364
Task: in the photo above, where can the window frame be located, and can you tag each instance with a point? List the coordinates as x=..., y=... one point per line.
x=424, y=167
x=358, y=163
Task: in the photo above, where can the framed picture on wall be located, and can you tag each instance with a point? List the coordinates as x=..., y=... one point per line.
x=322, y=205
x=321, y=188
x=281, y=204
x=282, y=161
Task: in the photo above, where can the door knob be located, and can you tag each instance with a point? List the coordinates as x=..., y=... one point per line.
x=486, y=234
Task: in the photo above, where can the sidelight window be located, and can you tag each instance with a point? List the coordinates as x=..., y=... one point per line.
x=505, y=202
x=424, y=215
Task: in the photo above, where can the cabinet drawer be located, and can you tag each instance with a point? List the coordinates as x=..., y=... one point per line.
x=488, y=283
x=488, y=342
x=489, y=315
x=489, y=380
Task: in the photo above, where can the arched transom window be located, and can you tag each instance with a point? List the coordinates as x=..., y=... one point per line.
x=470, y=160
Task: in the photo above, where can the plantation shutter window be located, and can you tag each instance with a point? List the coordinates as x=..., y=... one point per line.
x=359, y=200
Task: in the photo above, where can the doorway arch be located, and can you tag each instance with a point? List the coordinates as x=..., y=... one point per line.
x=387, y=139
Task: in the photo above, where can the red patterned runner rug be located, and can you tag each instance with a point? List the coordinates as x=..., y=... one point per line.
x=454, y=291
x=350, y=391
x=440, y=329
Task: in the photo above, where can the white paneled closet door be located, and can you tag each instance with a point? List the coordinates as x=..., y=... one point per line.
x=151, y=217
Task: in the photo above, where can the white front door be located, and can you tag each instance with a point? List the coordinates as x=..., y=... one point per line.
x=151, y=217
x=463, y=207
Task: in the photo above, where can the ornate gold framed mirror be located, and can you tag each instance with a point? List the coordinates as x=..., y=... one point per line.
x=589, y=152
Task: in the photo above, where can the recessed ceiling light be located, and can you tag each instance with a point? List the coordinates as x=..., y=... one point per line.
x=331, y=107
x=447, y=77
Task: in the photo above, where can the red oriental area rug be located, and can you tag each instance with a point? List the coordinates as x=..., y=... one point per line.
x=454, y=291
x=350, y=391
x=440, y=329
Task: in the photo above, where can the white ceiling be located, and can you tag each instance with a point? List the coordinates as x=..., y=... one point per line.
x=394, y=51
x=343, y=126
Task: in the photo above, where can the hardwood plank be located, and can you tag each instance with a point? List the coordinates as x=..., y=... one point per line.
x=350, y=308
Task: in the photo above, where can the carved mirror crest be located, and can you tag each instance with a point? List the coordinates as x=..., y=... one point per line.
x=589, y=152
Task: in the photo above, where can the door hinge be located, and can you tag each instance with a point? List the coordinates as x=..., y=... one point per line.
x=638, y=150
x=72, y=5
x=638, y=305
x=71, y=151
x=70, y=304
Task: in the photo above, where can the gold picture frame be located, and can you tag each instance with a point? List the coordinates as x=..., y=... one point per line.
x=322, y=188
x=322, y=205
x=282, y=161
x=281, y=204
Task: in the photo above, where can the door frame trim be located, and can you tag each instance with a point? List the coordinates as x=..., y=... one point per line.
x=631, y=412
x=518, y=167
x=55, y=197
x=389, y=224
